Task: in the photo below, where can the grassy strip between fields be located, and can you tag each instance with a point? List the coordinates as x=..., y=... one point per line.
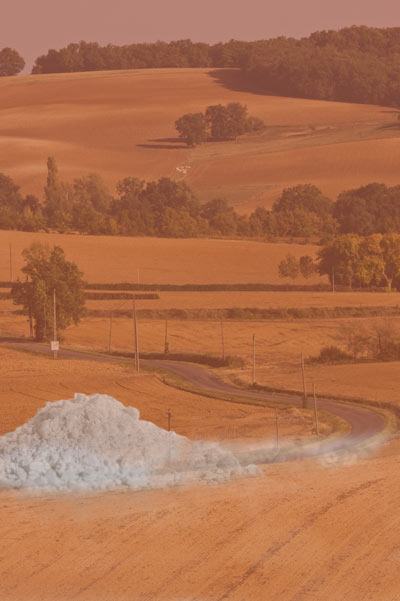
x=253, y=313
x=202, y=359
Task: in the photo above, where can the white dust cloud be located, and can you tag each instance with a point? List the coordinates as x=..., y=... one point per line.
x=96, y=443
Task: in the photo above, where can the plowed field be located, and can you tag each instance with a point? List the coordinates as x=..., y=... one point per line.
x=121, y=123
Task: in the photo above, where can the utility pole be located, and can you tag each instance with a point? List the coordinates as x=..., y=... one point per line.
x=315, y=412
x=254, y=358
x=333, y=280
x=277, y=427
x=166, y=345
x=135, y=333
x=110, y=332
x=55, y=342
x=304, y=382
x=222, y=337
x=169, y=436
x=30, y=308
x=11, y=265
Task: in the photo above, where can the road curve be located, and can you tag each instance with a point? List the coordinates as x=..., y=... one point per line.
x=364, y=422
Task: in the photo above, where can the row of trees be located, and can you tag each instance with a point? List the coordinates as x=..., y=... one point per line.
x=352, y=261
x=355, y=64
x=169, y=208
x=218, y=123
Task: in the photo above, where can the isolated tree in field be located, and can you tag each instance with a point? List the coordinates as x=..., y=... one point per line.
x=47, y=270
x=11, y=62
x=289, y=267
x=192, y=128
x=227, y=122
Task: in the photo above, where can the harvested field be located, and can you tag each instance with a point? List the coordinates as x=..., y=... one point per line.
x=298, y=531
x=278, y=345
x=27, y=381
x=121, y=123
x=108, y=259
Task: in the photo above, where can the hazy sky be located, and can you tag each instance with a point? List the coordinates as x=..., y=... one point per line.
x=34, y=26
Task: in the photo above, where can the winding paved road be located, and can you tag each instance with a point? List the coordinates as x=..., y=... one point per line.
x=364, y=422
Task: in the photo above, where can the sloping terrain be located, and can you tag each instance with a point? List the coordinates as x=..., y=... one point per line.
x=121, y=123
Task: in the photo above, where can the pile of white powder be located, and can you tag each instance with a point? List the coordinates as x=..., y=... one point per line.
x=95, y=443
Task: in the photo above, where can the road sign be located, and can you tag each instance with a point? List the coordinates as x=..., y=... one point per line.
x=55, y=345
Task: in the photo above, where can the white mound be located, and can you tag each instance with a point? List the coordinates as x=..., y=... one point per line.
x=95, y=442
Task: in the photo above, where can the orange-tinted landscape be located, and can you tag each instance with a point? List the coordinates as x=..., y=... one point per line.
x=121, y=123
x=323, y=529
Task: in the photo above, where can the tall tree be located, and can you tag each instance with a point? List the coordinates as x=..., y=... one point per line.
x=192, y=128
x=11, y=62
x=47, y=270
x=58, y=199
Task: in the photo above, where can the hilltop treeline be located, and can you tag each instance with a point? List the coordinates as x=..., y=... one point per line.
x=354, y=64
x=167, y=208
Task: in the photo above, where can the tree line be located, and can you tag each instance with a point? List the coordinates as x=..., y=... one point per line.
x=354, y=64
x=352, y=261
x=169, y=208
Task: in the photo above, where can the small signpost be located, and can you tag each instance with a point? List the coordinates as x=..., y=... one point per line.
x=54, y=345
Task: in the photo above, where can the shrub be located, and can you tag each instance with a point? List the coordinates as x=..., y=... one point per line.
x=332, y=354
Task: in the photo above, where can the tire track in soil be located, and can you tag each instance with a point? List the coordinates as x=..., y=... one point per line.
x=275, y=549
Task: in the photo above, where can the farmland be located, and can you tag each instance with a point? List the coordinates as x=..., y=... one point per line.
x=299, y=530
x=121, y=123
x=108, y=259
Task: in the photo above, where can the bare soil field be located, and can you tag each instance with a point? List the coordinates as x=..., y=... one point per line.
x=121, y=123
x=108, y=259
x=28, y=381
x=298, y=531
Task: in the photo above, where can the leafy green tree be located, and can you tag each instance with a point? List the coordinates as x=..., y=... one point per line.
x=11, y=62
x=47, y=270
x=307, y=266
x=340, y=259
x=305, y=197
x=227, y=122
x=221, y=217
x=390, y=245
x=192, y=128
x=91, y=204
x=289, y=267
x=58, y=199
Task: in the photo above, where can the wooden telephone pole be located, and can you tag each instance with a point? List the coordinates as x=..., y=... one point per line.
x=254, y=358
x=304, y=382
x=54, y=344
x=135, y=330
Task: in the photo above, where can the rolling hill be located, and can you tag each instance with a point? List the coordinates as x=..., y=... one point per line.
x=121, y=123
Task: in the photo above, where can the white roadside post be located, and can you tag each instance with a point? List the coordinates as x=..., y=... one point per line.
x=54, y=345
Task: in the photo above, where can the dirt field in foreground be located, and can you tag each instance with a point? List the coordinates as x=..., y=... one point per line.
x=299, y=531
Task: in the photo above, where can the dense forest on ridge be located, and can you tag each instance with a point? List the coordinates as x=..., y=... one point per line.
x=354, y=64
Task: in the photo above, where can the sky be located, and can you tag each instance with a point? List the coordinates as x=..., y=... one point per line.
x=32, y=27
